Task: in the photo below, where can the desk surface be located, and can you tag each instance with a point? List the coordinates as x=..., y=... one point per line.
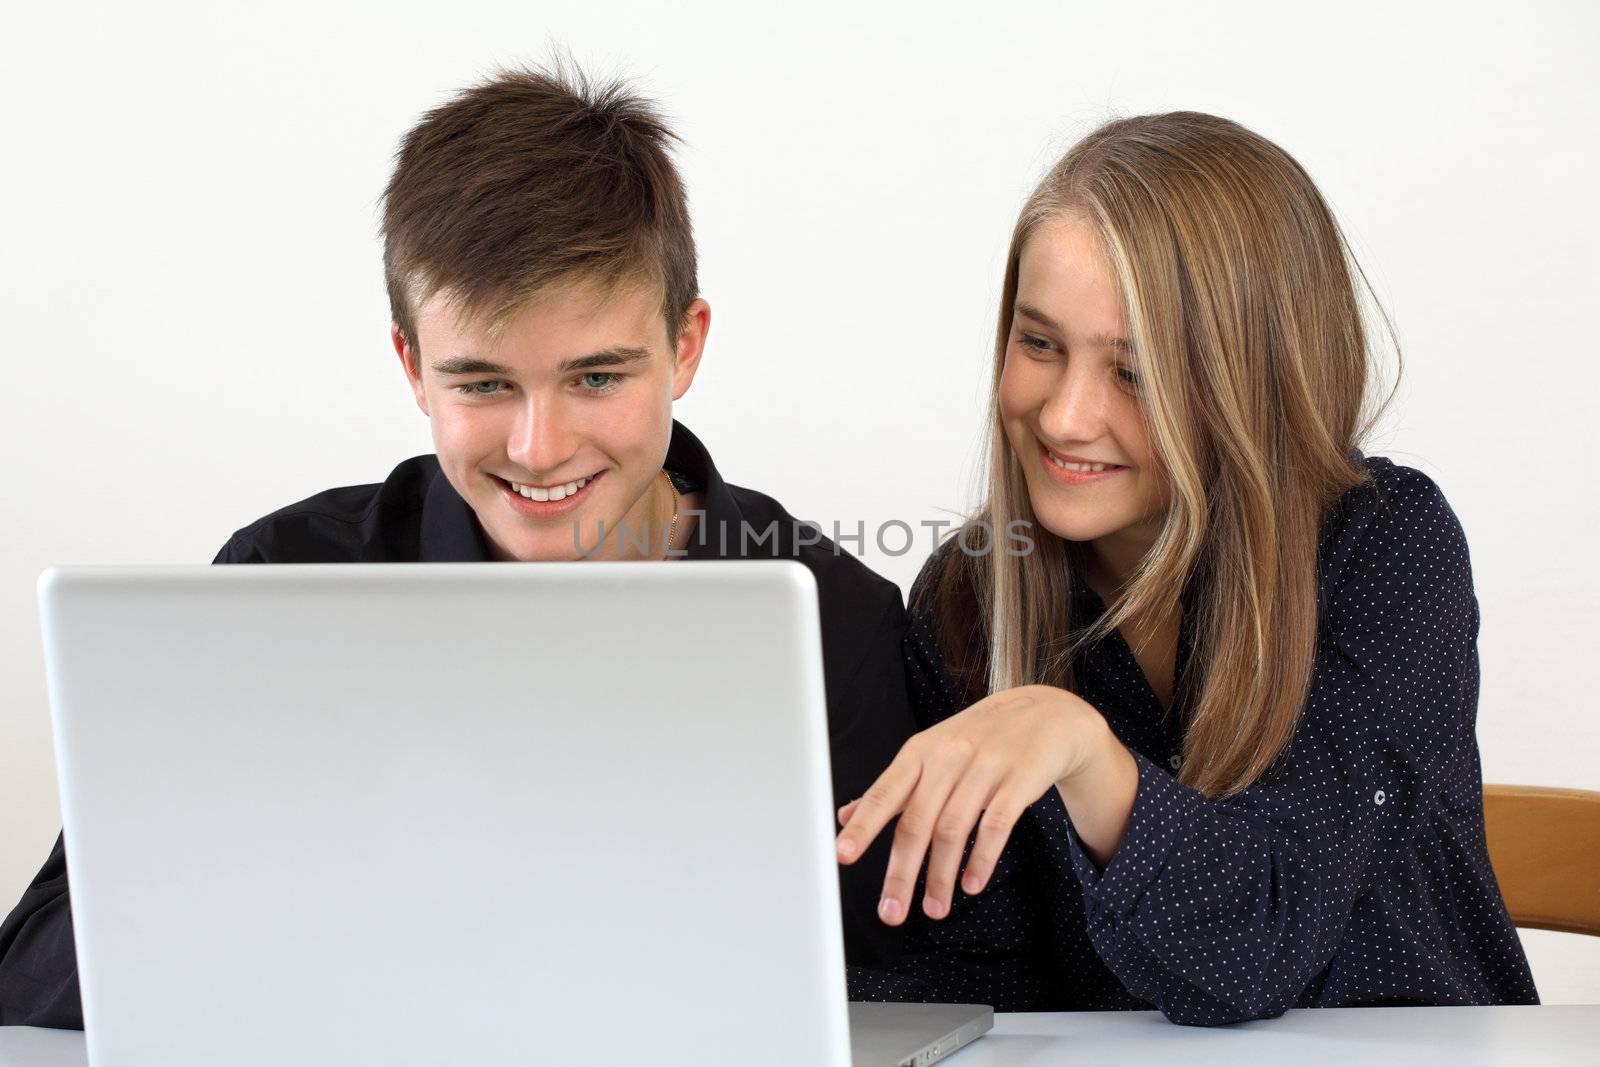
x=1392, y=1037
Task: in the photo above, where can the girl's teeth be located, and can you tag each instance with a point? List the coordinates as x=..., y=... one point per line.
x=557, y=492
x=1082, y=468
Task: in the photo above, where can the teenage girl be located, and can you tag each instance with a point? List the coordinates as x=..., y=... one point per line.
x=1198, y=684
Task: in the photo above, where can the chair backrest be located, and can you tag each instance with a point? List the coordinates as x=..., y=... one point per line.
x=1544, y=844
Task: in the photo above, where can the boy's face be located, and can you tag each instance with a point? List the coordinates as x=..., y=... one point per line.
x=571, y=403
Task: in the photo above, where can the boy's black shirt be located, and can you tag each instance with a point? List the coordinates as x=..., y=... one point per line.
x=416, y=516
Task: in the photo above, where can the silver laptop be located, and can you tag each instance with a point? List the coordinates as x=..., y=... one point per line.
x=436, y=813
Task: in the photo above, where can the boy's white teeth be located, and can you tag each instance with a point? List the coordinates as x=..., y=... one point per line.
x=555, y=492
x=1082, y=468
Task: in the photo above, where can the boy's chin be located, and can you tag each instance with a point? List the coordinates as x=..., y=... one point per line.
x=546, y=553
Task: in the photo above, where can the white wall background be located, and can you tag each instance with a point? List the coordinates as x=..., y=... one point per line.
x=193, y=326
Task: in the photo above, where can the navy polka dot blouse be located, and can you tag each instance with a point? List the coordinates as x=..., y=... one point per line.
x=1355, y=875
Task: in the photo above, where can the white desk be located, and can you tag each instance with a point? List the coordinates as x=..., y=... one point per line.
x=1387, y=1037
x=1305, y=1037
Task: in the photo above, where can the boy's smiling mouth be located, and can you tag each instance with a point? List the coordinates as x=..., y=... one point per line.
x=541, y=501
x=552, y=492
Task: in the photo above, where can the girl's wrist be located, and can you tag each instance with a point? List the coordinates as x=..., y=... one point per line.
x=1099, y=795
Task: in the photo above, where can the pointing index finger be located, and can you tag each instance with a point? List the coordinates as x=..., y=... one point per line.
x=882, y=801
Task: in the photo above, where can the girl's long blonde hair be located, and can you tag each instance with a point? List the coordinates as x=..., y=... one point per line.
x=1241, y=301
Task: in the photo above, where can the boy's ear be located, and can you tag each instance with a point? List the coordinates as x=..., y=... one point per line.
x=691, y=346
x=410, y=363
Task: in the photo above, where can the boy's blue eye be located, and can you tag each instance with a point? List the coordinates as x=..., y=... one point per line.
x=488, y=388
x=599, y=381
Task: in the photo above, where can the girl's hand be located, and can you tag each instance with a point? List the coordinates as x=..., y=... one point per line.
x=991, y=760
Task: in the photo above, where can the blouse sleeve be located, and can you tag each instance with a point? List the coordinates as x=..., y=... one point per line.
x=1220, y=911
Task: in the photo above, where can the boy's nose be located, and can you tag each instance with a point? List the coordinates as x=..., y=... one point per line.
x=541, y=441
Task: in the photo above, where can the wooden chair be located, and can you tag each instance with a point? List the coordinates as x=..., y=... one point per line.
x=1545, y=847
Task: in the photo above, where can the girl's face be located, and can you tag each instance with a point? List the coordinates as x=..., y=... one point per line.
x=1070, y=398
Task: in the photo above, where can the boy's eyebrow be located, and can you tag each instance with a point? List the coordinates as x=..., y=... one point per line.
x=468, y=365
x=610, y=357
x=1099, y=340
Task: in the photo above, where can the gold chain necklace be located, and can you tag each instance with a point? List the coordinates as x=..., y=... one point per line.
x=672, y=527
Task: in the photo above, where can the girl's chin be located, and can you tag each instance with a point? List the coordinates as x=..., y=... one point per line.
x=1073, y=528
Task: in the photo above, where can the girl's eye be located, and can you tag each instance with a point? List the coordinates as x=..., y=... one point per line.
x=1130, y=378
x=1038, y=344
x=600, y=381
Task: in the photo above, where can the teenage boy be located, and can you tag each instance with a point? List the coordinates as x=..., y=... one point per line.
x=541, y=275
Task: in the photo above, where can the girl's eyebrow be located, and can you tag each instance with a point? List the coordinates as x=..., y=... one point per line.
x=1099, y=340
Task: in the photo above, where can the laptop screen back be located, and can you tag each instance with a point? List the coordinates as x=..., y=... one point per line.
x=438, y=813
